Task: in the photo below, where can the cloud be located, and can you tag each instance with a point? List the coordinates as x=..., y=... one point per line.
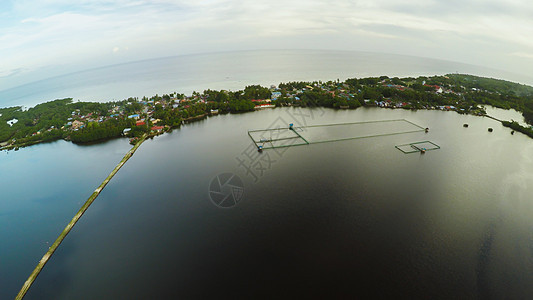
x=523, y=54
x=36, y=33
x=13, y=72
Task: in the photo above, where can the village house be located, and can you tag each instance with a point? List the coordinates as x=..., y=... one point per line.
x=77, y=124
x=275, y=96
x=12, y=122
x=438, y=89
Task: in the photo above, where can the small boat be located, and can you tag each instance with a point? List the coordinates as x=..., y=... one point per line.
x=465, y=125
x=490, y=129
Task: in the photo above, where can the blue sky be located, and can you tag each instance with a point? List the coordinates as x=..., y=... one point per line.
x=44, y=38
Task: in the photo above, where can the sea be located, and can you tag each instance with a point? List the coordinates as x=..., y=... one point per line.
x=231, y=71
x=199, y=213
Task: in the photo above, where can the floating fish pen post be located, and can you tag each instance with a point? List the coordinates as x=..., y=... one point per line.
x=427, y=129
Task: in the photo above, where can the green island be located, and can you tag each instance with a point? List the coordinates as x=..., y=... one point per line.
x=90, y=122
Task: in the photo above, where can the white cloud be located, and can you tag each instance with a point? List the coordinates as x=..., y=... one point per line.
x=72, y=33
x=523, y=54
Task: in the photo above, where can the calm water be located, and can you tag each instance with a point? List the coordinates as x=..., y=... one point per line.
x=232, y=70
x=506, y=114
x=42, y=187
x=349, y=218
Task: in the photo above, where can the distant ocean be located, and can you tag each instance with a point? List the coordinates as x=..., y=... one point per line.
x=232, y=71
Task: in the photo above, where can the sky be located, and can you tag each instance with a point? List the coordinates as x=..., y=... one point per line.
x=45, y=38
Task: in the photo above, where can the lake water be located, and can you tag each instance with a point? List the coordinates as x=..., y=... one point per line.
x=336, y=219
x=347, y=218
x=506, y=115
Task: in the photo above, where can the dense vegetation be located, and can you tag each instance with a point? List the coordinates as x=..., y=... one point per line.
x=514, y=125
x=490, y=84
x=102, y=131
x=463, y=92
x=34, y=123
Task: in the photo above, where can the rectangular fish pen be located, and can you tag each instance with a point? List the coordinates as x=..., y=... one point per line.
x=313, y=134
x=417, y=147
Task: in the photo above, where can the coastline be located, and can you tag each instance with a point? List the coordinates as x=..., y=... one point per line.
x=189, y=120
x=91, y=123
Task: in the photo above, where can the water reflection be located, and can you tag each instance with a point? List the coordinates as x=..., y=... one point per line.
x=349, y=218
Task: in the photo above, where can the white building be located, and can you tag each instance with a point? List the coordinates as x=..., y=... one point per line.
x=12, y=122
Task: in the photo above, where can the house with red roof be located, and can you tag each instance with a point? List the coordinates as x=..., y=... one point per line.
x=438, y=89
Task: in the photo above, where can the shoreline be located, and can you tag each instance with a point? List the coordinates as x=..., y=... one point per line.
x=191, y=120
x=93, y=123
